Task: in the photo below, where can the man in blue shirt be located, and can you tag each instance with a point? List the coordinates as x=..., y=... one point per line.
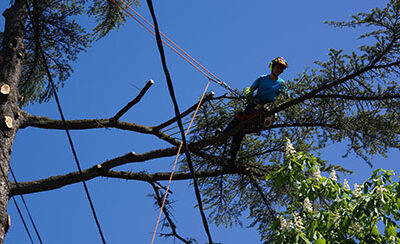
x=268, y=87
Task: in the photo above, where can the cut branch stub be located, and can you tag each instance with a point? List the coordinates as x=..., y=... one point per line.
x=8, y=121
x=5, y=89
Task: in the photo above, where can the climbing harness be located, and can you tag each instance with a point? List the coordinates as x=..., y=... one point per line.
x=264, y=121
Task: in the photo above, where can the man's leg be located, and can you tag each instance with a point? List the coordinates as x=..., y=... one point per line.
x=231, y=124
x=235, y=147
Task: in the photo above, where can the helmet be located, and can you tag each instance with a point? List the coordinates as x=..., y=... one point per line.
x=278, y=60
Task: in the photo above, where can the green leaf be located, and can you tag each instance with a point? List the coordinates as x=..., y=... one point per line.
x=320, y=241
x=375, y=231
x=390, y=230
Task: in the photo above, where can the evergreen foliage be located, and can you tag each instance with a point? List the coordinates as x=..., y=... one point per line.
x=352, y=98
x=53, y=29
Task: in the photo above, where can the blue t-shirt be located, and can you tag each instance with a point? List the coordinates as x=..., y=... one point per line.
x=268, y=89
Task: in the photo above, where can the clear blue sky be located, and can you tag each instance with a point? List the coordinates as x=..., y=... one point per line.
x=234, y=39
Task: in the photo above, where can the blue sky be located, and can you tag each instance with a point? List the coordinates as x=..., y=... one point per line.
x=233, y=39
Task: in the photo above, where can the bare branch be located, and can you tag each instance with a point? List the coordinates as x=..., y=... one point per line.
x=47, y=123
x=267, y=203
x=133, y=102
x=172, y=225
x=359, y=98
x=55, y=182
x=185, y=113
x=166, y=175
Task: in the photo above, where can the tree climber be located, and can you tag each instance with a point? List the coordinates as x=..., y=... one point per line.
x=268, y=88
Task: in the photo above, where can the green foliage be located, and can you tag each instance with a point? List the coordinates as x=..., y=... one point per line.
x=53, y=29
x=108, y=16
x=352, y=98
x=325, y=211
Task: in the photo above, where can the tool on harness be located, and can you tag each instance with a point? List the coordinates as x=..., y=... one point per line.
x=257, y=110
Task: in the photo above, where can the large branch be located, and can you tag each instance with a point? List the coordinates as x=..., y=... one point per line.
x=55, y=182
x=84, y=124
x=160, y=176
x=359, y=98
x=102, y=170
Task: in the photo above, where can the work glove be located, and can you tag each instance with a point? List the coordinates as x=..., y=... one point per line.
x=249, y=95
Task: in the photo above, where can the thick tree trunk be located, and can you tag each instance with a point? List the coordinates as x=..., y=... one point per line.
x=12, y=54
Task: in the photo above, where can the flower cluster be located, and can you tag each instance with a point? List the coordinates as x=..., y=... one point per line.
x=335, y=219
x=298, y=223
x=380, y=189
x=307, y=205
x=357, y=191
x=284, y=225
x=317, y=173
x=346, y=184
x=356, y=228
x=332, y=175
x=289, y=149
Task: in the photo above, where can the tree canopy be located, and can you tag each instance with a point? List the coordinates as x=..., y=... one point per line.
x=352, y=98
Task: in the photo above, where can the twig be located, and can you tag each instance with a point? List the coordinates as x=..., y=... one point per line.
x=134, y=101
x=185, y=113
x=166, y=214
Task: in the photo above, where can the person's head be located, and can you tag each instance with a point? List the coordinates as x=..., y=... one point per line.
x=277, y=66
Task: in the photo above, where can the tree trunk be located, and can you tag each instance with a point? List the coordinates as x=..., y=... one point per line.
x=12, y=54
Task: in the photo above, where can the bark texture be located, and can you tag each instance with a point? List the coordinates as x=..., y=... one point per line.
x=10, y=72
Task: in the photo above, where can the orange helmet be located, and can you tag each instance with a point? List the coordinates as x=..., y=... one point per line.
x=278, y=60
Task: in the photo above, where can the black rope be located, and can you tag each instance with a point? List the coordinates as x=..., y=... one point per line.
x=65, y=126
x=18, y=209
x=179, y=120
x=74, y=152
x=26, y=207
x=23, y=220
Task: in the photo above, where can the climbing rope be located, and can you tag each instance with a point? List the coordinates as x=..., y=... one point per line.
x=210, y=76
x=176, y=160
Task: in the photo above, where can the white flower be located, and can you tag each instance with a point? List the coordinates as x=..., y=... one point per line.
x=289, y=149
x=284, y=224
x=356, y=228
x=335, y=219
x=317, y=174
x=346, y=184
x=332, y=175
x=290, y=224
x=298, y=223
x=307, y=205
x=393, y=239
x=380, y=189
x=357, y=190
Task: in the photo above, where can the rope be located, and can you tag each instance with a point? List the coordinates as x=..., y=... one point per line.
x=18, y=209
x=215, y=79
x=41, y=52
x=26, y=207
x=75, y=156
x=176, y=160
x=23, y=221
x=178, y=118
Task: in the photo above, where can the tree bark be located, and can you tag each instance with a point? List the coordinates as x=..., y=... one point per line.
x=10, y=72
